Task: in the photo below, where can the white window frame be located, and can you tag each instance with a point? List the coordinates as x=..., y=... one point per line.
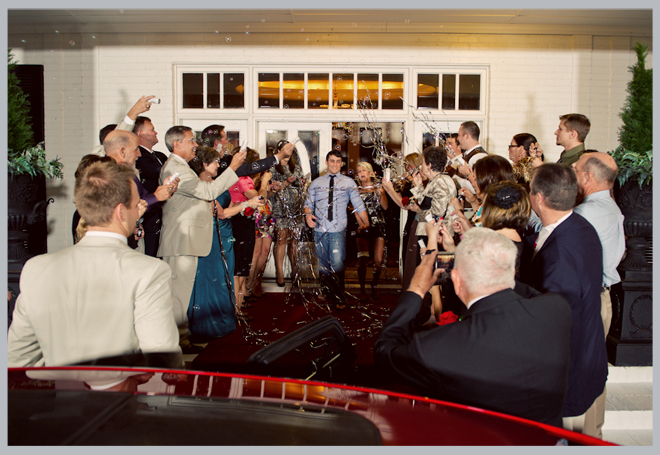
x=180, y=69
x=457, y=70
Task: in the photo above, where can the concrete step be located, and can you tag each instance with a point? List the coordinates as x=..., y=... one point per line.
x=629, y=406
x=629, y=437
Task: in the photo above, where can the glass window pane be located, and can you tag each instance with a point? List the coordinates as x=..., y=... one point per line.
x=269, y=90
x=392, y=91
x=310, y=140
x=318, y=87
x=213, y=88
x=234, y=138
x=469, y=91
x=272, y=138
x=342, y=91
x=293, y=86
x=428, y=140
x=427, y=90
x=368, y=90
x=449, y=91
x=234, y=89
x=193, y=90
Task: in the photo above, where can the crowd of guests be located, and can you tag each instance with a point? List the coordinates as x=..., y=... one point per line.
x=535, y=248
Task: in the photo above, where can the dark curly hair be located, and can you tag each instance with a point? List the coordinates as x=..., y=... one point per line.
x=203, y=155
x=435, y=158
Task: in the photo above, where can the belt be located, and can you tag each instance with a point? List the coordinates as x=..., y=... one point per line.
x=605, y=288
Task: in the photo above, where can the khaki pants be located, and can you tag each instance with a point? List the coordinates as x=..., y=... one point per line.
x=591, y=422
x=184, y=269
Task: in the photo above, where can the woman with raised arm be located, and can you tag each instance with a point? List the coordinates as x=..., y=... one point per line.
x=286, y=183
x=211, y=310
x=525, y=154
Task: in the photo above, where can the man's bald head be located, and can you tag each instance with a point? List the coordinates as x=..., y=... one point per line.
x=601, y=166
x=122, y=146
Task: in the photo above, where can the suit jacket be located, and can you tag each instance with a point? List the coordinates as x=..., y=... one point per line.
x=149, y=165
x=570, y=263
x=246, y=169
x=508, y=354
x=95, y=299
x=187, y=217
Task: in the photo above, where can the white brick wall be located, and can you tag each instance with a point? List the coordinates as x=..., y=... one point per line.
x=533, y=80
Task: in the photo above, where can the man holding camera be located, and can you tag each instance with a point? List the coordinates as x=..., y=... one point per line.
x=508, y=353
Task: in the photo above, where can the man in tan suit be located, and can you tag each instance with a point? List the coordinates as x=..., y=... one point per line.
x=98, y=298
x=187, y=220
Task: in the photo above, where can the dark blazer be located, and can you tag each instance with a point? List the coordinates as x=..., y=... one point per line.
x=570, y=263
x=149, y=165
x=508, y=354
x=246, y=169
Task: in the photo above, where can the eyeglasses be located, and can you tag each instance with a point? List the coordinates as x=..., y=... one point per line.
x=514, y=146
x=192, y=139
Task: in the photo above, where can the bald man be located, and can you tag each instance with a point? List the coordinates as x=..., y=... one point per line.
x=124, y=148
x=596, y=173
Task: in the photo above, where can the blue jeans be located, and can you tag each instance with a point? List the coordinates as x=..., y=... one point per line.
x=331, y=253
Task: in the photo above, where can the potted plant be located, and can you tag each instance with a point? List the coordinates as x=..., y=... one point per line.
x=634, y=156
x=28, y=169
x=630, y=339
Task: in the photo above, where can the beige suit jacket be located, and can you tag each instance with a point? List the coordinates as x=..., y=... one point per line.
x=187, y=218
x=98, y=298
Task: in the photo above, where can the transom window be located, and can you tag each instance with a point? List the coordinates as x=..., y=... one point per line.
x=449, y=91
x=326, y=90
x=262, y=89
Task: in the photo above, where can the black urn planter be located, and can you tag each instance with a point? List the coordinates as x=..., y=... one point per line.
x=26, y=208
x=630, y=339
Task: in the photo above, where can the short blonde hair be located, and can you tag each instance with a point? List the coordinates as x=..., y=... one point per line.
x=367, y=166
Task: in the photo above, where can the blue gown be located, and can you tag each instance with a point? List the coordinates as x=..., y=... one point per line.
x=211, y=312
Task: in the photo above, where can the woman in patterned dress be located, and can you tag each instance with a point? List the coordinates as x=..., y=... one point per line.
x=287, y=180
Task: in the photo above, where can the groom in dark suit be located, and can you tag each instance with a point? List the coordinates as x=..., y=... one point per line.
x=567, y=258
x=508, y=353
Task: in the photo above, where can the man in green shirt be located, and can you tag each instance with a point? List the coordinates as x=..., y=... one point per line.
x=571, y=133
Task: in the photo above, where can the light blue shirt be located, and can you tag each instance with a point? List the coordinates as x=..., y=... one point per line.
x=601, y=211
x=344, y=190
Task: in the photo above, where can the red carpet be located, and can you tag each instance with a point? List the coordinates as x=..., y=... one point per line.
x=278, y=314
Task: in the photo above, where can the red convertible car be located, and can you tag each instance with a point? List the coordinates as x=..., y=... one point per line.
x=60, y=406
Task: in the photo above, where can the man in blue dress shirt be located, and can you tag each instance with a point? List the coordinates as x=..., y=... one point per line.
x=596, y=174
x=325, y=211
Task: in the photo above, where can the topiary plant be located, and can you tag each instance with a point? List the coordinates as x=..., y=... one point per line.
x=24, y=157
x=634, y=156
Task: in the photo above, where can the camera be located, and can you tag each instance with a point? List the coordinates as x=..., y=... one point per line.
x=445, y=261
x=154, y=100
x=140, y=233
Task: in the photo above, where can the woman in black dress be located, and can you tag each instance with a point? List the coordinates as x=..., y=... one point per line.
x=375, y=201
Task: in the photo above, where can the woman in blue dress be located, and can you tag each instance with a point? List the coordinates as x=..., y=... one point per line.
x=211, y=312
